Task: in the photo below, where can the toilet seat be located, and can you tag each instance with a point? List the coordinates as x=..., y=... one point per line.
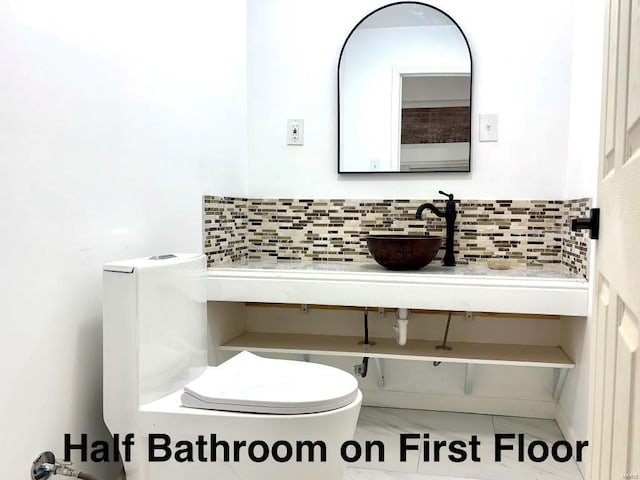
x=249, y=383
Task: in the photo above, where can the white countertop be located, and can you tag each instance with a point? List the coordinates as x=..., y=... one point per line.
x=550, y=289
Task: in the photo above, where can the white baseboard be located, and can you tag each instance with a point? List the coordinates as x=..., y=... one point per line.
x=569, y=435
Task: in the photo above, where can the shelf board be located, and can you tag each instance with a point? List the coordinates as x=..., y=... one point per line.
x=422, y=350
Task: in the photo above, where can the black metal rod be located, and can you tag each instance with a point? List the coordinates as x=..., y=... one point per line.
x=365, y=340
x=366, y=327
x=444, y=345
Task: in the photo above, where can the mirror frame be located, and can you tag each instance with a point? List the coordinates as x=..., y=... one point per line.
x=470, y=90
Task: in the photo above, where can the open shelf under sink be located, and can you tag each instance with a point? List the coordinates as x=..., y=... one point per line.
x=422, y=350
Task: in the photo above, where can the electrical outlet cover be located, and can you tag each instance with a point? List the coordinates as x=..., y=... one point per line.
x=295, y=132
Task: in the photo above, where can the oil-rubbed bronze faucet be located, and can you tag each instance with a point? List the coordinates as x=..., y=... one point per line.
x=449, y=215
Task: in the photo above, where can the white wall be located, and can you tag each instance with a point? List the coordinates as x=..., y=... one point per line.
x=116, y=117
x=586, y=99
x=522, y=71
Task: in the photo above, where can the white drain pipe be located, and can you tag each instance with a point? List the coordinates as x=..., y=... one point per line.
x=401, y=326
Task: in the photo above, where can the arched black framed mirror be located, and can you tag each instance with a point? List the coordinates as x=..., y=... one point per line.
x=404, y=93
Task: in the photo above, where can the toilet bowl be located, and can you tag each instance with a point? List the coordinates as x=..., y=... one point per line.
x=248, y=418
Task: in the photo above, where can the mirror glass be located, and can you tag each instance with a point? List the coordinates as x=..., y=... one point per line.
x=404, y=93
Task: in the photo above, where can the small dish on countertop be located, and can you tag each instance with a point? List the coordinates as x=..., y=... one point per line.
x=499, y=263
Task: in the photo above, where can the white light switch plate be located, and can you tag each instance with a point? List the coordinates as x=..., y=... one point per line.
x=489, y=128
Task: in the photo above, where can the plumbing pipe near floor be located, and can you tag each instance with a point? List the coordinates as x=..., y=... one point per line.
x=46, y=465
x=401, y=326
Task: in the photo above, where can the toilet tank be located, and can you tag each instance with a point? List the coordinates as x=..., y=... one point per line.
x=154, y=330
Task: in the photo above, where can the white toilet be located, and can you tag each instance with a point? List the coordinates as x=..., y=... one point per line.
x=248, y=418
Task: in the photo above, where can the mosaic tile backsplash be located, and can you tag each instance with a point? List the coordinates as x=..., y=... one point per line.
x=575, y=245
x=530, y=232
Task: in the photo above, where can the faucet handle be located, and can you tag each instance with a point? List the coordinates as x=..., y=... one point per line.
x=450, y=195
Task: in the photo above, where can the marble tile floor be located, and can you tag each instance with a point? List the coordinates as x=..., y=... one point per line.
x=386, y=424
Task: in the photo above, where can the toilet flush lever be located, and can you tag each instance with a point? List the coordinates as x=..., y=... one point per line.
x=592, y=224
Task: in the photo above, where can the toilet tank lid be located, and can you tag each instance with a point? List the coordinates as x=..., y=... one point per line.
x=128, y=266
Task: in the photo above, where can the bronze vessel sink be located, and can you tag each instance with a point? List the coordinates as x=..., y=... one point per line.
x=403, y=252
